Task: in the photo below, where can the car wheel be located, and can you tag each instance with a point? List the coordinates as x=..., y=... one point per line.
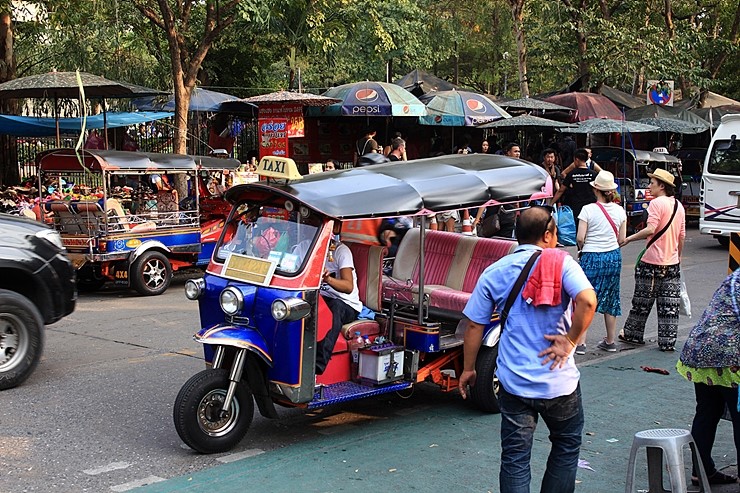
x=197, y=412
x=21, y=338
x=483, y=393
x=151, y=273
x=723, y=240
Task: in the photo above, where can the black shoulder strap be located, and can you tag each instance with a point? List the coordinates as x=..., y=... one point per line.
x=518, y=285
x=665, y=228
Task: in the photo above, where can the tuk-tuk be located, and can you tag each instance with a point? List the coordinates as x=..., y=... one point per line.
x=121, y=218
x=262, y=312
x=630, y=169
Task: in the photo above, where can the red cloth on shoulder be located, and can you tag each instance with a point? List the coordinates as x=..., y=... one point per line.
x=545, y=284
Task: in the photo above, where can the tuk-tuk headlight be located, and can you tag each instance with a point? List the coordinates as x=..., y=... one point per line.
x=232, y=301
x=194, y=288
x=290, y=309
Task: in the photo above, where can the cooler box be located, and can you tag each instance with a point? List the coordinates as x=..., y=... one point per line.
x=381, y=364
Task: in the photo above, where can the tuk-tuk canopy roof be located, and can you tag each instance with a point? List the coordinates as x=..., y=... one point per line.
x=415, y=187
x=610, y=153
x=65, y=160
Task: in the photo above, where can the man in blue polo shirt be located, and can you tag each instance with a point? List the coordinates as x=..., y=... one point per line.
x=536, y=369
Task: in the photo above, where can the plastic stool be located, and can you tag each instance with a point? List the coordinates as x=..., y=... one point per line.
x=669, y=442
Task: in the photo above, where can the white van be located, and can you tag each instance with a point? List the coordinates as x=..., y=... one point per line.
x=720, y=184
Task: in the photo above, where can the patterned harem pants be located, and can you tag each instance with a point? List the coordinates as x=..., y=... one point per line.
x=661, y=282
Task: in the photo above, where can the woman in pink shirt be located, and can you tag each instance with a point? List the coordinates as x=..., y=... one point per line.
x=657, y=275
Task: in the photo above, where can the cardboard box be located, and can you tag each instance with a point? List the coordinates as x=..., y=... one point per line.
x=381, y=364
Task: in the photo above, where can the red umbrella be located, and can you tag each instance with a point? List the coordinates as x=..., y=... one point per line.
x=586, y=105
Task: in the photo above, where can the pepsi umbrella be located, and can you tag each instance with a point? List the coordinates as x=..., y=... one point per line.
x=460, y=109
x=370, y=99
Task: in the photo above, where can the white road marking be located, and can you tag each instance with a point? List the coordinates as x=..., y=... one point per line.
x=136, y=484
x=240, y=455
x=113, y=466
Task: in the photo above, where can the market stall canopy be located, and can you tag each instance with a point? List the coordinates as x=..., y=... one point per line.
x=419, y=82
x=523, y=121
x=658, y=111
x=200, y=100
x=714, y=114
x=714, y=99
x=620, y=98
x=124, y=161
x=290, y=97
x=370, y=99
x=587, y=105
x=64, y=85
x=609, y=126
x=532, y=104
x=416, y=187
x=674, y=125
x=31, y=126
x=460, y=109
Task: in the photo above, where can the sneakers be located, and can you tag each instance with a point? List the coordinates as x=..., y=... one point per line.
x=581, y=349
x=605, y=346
x=716, y=478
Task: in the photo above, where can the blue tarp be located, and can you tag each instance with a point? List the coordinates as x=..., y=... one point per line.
x=31, y=126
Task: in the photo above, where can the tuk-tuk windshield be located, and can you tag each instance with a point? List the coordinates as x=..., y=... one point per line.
x=275, y=233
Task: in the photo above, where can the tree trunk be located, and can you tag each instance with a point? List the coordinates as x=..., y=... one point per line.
x=9, y=172
x=517, y=14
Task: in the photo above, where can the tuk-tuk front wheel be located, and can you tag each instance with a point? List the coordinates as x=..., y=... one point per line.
x=483, y=393
x=151, y=273
x=198, y=415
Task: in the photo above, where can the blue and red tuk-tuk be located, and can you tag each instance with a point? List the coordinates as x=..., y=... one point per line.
x=121, y=218
x=260, y=304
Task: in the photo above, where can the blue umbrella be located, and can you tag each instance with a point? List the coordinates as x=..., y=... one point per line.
x=370, y=99
x=200, y=100
x=460, y=109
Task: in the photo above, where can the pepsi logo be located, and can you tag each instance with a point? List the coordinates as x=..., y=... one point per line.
x=438, y=119
x=406, y=108
x=367, y=95
x=475, y=105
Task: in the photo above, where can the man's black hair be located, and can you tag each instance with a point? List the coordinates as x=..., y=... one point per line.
x=510, y=146
x=581, y=154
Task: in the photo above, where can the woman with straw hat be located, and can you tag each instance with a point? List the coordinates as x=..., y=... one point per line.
x=602, y=227
x=658, y=270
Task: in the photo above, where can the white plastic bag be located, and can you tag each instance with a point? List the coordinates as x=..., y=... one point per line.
x=685, y=301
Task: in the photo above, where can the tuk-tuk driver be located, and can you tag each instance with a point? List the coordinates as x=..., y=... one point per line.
x=339, y=290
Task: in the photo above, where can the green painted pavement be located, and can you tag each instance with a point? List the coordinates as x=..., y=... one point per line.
x=447, y=446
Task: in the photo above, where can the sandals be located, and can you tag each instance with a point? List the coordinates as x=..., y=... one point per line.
x=636, y=342
x=716, y=478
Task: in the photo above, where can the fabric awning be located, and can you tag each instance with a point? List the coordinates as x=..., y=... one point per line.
x=31, y=126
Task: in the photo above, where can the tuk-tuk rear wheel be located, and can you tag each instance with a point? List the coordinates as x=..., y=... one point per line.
x=197, y=412
x=483, y=393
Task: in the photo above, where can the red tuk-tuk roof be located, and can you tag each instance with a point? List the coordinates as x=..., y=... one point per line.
x=66, y=160
x=414, y=187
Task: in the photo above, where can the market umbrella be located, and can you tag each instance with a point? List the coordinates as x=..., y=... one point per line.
x=714, y=115
x=675, y=125
x=370, y=99
x=609, y=126
x=200, y=100
x=586, y=105
x=280, y=97
x=419, y=82
x=532, y=104
x=64, y=85
x=523, y=121
x=459, y=109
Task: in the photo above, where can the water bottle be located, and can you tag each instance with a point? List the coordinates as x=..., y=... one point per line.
x=355, y=344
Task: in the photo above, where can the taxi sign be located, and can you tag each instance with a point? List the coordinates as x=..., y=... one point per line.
x=278, y=167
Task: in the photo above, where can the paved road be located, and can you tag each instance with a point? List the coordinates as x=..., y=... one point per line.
x=96, y=416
